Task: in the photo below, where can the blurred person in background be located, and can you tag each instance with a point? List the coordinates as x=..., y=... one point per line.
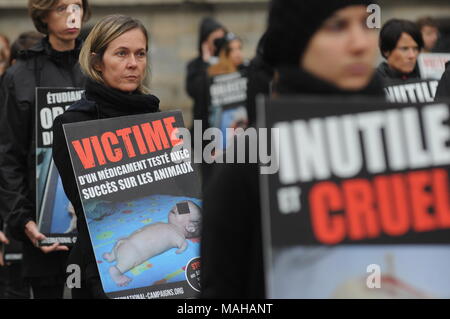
x=24, y=41
x=443, y=89
x=260, y=75
x=315, y=49
x=400, y=44
x=15, y=285
x=52, y=62
x=228, y=50
x=222, y=115
x=209, y=31
x=4, y=53
x=430, y=33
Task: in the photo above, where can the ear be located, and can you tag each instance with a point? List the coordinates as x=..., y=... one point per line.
x=98, y=66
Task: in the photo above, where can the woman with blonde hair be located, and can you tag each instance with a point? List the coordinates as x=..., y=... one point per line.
x=114, y=59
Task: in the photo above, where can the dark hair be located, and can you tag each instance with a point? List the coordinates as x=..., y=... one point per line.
x=427, y=22
x=393, y=30
x=292, y=24
x=25, y=41
x=39, y=9
x=224, y=43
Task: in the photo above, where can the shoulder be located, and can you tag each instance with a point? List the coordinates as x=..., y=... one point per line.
x=82, y=110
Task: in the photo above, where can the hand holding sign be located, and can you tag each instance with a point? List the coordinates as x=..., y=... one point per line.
x=31, y=230
x=3, y=240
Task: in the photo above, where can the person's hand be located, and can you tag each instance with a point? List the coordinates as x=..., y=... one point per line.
x=4, y=240
x=206, y=53
x=31, y=230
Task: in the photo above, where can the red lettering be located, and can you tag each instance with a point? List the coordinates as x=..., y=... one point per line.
x=324, y=198
x=155, y=136
x=125, y=134
x=362, y=217
x=84, y=152
x=139, y=139
x=421, y=201
x=442, y=197
x=392, y=204
x=171, y=131
x=98, y=150
x=109, y=139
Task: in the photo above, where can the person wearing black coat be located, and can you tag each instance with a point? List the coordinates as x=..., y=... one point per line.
x=443, y=89
x=400, y=44
x=231, y=249
x=210, y=30
x=50, y=63
x=108, y=94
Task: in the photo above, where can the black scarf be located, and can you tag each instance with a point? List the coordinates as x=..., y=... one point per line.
x=112, y=102
x=298, y=81
x=390, y=74
x=66, y=59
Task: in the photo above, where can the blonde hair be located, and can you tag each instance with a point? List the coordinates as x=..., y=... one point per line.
x=39, y=9
x=104, y=32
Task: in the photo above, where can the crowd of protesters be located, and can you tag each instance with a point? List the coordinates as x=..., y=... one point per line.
x=304, y=50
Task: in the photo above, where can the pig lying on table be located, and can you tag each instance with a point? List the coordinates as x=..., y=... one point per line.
x=184, y=222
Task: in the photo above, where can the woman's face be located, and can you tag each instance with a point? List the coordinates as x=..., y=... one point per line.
x=430, y=36
x=404, y=57
x=235, y=54
x=343, y=50
x=64, y=20
x=125, y=61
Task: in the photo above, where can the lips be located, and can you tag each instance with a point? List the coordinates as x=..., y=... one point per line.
x=131, y=77
x=72, y=30
x=358, y=69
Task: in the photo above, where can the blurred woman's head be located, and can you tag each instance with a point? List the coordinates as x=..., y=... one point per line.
x=25, y=41
x=4, y=53
x=115, y=53
x=230, y=47
x=331, y=41
x=430, y=32
x=400, y=44
x=229, y=52
x=61, y=19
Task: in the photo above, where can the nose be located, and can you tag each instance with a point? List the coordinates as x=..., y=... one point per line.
x=359, y=40
x=132, y=63
x=412, y=54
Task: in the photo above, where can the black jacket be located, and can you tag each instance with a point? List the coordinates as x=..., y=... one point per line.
x=99, y=102
x=231, y=250
x=443, y=89
x=40, y=66
x=196, y=68
x=391, y=76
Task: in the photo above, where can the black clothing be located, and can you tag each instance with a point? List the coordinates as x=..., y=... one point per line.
x=391, y=76
x=98, y=102
x=196, y=68
x=195, y=79
x=40, y=66
x=231, y=250
x=260, y=75
x=293, y=23
x=443, y=89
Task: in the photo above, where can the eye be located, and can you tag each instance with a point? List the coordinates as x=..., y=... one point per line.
x=142, y=54
x=336, y=25
x=121, y=53
x=61, y=9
